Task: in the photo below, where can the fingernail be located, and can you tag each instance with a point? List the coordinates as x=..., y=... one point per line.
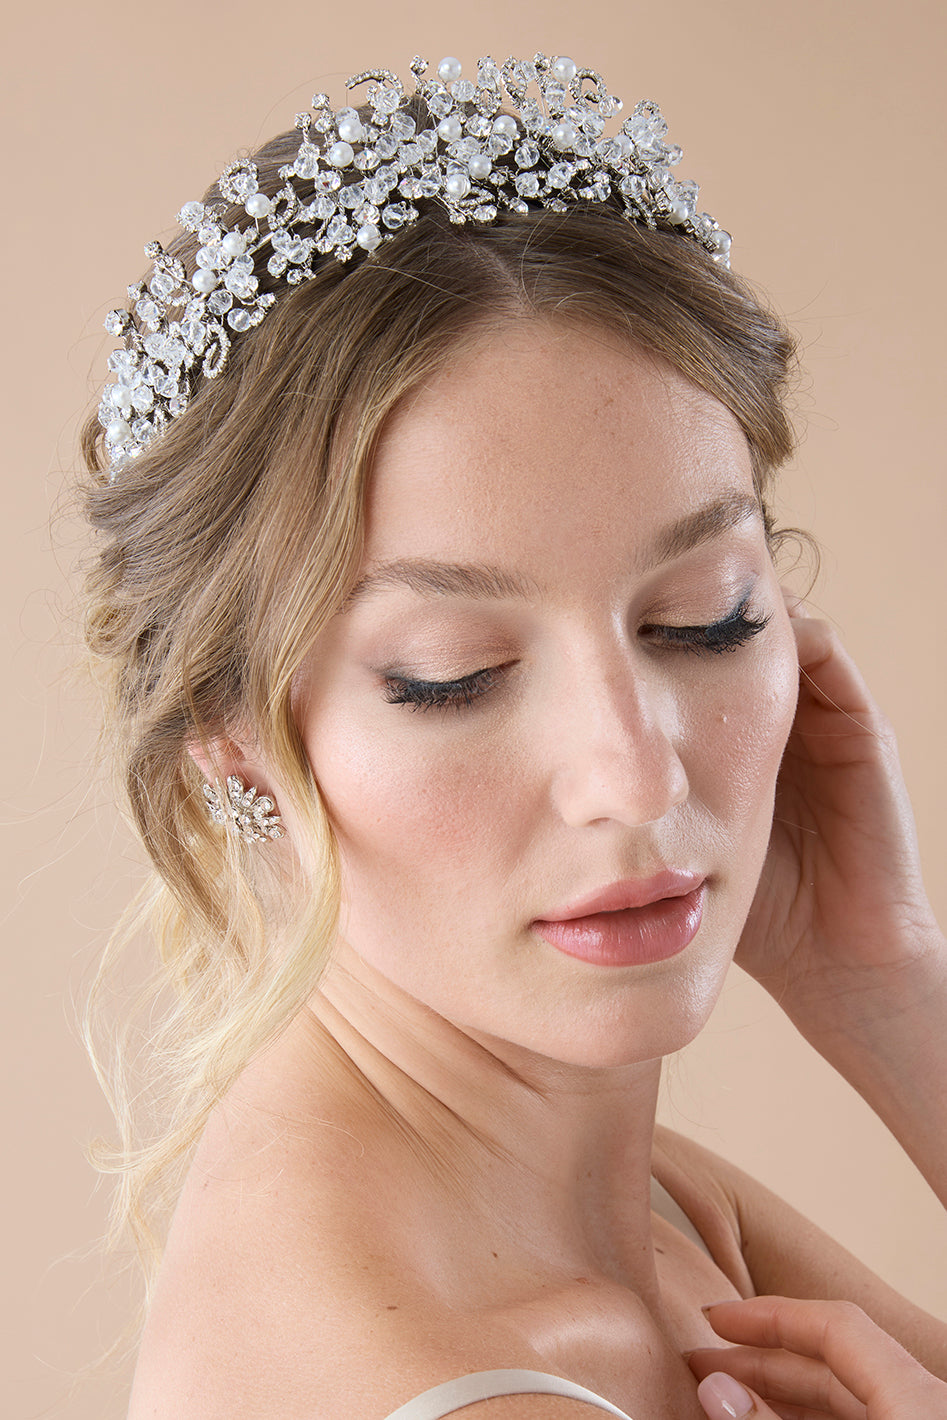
x=723, y=1398
x=710, y=1305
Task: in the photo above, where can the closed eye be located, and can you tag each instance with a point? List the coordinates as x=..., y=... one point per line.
x=441, y=694
x=728, y=634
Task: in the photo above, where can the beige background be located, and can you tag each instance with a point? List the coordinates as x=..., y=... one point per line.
x=816, y=130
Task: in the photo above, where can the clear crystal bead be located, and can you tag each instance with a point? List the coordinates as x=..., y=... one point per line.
x=307, y=161
x=488, y=72
x=191, y=215
x=395, y=215
x=219, y=302
x=534, y=120
x=116, y=322
x=440, y=103
x=410, y=155
x=556, y=96
x=385, y=99
x=463, y=90
x=195, y=333
x=177, y=406
x=634, y=188
x=486, y=213
x=238, y=319
x=338, y=231
x=142, y=430
x=560, y=174
x=388, y=177
x=463, y=151
x=276, y=265
x=478, y=125
x=386, y=146
x=527, y=155
x=526, y=184
x=609, y=105
x=351, y=196
x=410, y=187
x=148, y=311
x=326, y=180
x=522, y=73
x=499, y=144
x=142, y=398
x=161, y=285
x=403, y=127
x=429, y=180
x=427, y=141
x=367, y=159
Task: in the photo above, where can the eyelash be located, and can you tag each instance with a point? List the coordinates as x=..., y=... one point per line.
x=728, y=634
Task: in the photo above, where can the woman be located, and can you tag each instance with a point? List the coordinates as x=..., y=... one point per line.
x=436, y=562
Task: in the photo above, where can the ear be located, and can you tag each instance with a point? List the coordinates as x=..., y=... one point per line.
x=222, y=756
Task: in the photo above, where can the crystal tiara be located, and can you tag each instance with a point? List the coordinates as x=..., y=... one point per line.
x=527, y=132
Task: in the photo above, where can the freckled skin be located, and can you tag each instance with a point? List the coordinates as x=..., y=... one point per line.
x=558, y=454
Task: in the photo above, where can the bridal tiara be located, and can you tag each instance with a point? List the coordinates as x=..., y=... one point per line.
x=526, y=134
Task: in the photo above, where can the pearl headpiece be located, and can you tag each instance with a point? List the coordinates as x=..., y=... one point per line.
x=354, y=184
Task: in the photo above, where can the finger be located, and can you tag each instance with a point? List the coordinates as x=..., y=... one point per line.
x=795, y=604
x=828, y=671
x=783, y=1378
x=723, y=1398
x=869, y=1362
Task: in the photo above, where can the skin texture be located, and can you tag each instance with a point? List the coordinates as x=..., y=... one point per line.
x=444, y=1164
x=599, y=753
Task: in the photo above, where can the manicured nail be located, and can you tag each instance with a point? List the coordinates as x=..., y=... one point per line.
x=723, y=1398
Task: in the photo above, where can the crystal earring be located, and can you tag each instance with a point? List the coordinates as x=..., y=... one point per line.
x=252, y=819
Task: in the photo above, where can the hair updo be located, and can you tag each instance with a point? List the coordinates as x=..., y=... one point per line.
x=224, y=549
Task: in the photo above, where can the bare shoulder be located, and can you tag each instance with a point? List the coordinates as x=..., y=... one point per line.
x=788, y=1255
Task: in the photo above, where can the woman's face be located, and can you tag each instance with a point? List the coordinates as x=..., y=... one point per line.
x=554, y=677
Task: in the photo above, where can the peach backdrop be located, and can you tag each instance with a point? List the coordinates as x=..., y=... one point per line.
x=817, y=132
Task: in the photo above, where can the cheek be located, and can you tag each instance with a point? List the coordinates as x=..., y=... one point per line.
x=409, y=801
x=744, y=731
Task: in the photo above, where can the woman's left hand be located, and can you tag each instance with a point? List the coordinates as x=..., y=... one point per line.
x=840, y=919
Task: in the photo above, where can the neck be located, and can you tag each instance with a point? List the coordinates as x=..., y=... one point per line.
x=562, y=1152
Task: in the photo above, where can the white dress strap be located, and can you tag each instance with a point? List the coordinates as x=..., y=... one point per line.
x=487, y=1385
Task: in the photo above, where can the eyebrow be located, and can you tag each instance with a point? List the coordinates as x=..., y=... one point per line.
x=481, y=581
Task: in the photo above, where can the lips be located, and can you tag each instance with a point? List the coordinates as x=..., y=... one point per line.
x=629, y=923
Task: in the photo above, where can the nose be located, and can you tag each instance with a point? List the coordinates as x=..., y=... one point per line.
x=616, y=757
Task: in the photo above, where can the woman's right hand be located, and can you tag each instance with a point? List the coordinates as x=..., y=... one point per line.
x=811, y=1361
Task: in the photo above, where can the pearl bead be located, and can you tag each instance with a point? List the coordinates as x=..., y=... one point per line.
x=565, y=69
x=259, y=205
x=351, y=130
x=480, y=166
x=117, y=432
x=368, y=236
x=234, y=244
x=563, y=136
x=121, y=397
x=506, y=124
x=451, y=130
x=340, y=155
x=449, y=69
x=457, y=185
x=204, y=280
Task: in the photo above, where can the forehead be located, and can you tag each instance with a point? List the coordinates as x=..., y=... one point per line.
x=541, y=434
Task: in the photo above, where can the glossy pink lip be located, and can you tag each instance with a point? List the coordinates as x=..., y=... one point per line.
x=631, y=922
x=630, y=892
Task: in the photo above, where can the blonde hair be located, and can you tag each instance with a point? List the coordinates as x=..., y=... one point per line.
x=222, y=553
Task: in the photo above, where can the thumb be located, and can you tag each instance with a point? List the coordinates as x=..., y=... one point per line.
x=723, y=1398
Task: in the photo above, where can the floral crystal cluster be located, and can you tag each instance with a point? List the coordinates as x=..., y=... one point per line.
x=527, y=134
